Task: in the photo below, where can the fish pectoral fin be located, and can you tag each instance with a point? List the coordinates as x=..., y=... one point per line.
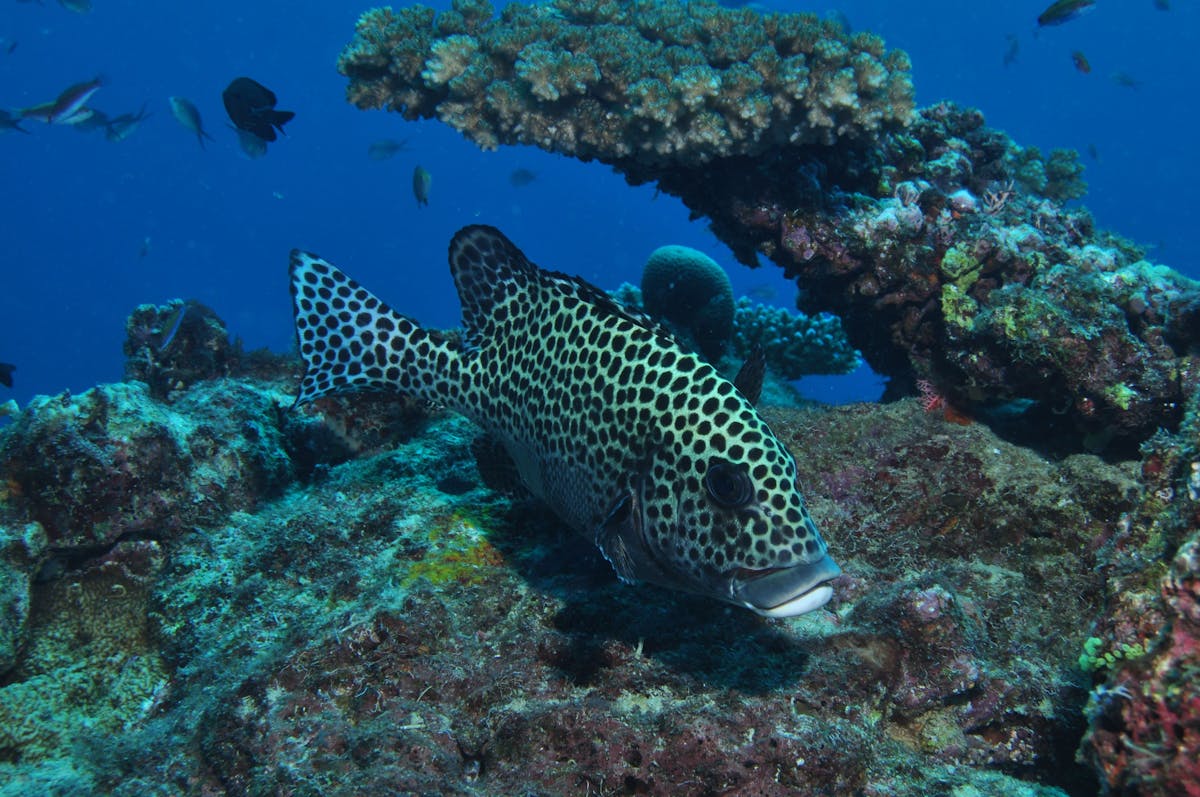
x=749, y=379
x=496, y=466
x=618, y=538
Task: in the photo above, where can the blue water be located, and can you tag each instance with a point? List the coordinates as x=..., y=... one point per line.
x=75, y=209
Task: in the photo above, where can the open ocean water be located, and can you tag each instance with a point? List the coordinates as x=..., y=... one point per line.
x=91, y=228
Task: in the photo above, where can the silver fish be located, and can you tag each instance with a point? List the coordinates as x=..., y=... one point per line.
x=634, y=442
x=187, y=115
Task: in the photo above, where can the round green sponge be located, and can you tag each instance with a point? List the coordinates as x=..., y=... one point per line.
x=689, y=289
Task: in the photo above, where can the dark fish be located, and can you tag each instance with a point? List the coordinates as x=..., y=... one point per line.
x=422, y=182
x=385, y=148
x=251, y=107
x=9, y=45
x=6, y=370
x=252, y=146
x=632, y=441
x=1064, y=11
x=1010, y=52
x=1093, y=152
x=1125, y=80
x=1081, y=62
x=11, y=121
x=78, y=6
x=187, y=115
x=521, y=177
x=1162, y=5
x=840, y=19
x=144, y=249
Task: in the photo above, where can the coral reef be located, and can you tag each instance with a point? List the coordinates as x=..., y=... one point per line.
x=687, y=288
x=945, y=248
x=643, y=82
x=377, y=619
x=1144, y=654
x=176, y=345
x=795, y=345
x=690, y=294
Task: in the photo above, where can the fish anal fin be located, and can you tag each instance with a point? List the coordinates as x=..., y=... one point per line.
x=496, y=466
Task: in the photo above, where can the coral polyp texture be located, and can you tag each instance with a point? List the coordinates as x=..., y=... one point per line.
x=640, y=82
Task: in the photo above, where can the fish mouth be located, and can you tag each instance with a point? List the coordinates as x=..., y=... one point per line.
x=785, y=591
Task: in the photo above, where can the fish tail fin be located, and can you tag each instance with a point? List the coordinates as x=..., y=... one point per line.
x=279, y=118
x=351, y=341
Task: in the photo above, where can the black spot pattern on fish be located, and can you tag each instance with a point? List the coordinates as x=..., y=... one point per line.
x=595, y=404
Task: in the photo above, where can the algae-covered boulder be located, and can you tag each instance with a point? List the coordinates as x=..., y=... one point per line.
x=689, y=289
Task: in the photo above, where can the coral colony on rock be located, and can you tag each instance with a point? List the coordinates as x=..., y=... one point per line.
x=206, y=592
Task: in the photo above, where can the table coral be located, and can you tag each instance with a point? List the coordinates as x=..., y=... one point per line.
x=645, y=82
x=945, y=248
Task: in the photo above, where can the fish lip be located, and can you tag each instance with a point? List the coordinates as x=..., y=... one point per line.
x=785, y=591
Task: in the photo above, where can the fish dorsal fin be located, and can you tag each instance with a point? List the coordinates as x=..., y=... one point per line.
x=489, y=269
x=749, y=379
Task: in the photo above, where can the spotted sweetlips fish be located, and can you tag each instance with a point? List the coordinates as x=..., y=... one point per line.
x=634, y=442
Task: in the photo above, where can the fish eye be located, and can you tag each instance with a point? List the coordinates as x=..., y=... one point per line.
x=728, y=484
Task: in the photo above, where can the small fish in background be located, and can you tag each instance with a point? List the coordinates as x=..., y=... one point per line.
x=1064, y=11
x=8, y=45
x=251, y=145
x=95, y=119
x=1093, y=153
x=172, y=324
x=521, y=178
x=762, y=292
x=422, y=182
x=11, y=121
x=839, y=18
x=144, y=249
x=121, y=127
x=385, y=148
x=77, y=6
x=1010, y=52
x=1162, y=5
x=69, y=107
x=187, y=115
x=1081, y=62
x=251, y=107
x=6, y=371
x=1125, y=80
